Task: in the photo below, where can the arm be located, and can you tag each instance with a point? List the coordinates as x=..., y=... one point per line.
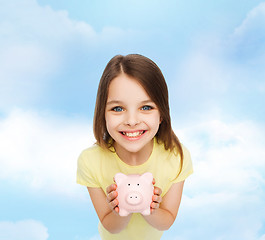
x=163, y=215
x=107, y=210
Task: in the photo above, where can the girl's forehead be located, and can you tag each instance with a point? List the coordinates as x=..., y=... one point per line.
x=125, y=87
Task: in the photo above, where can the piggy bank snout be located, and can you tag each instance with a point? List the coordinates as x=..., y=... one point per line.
x=134, y=198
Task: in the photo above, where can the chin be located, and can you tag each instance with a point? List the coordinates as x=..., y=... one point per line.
x=133, y=147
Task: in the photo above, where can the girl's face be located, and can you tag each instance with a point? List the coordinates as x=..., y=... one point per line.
x=132, y=118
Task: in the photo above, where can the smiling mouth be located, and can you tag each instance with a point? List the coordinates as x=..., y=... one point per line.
x=133, y=134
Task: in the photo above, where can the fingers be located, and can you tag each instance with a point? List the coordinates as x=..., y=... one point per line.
x=154, y=205
x=112, y=197
x=116, y=209
x=157, y=191
x=156, y=199
x=154, y=181
x=111, y=188
x=114, y=204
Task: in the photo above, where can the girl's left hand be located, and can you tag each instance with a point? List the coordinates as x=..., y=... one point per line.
x=157, y=199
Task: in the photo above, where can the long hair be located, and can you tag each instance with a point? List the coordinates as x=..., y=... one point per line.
x=148, y=74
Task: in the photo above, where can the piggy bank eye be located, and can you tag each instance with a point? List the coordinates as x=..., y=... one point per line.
x=129, y=184
x=138, y=184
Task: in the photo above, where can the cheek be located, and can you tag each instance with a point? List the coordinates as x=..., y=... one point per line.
x=111, y=121
x=108, y=121
x=155, y=121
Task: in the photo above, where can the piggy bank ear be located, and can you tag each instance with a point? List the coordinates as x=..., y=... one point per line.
x=119, y=178
x=147, y=177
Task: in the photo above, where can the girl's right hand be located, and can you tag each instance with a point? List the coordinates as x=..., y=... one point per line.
x=112, y=195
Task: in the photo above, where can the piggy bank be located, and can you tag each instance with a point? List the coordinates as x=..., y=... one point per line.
x=134, y=193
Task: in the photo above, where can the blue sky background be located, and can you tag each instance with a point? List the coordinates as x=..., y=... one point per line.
x=52, y=54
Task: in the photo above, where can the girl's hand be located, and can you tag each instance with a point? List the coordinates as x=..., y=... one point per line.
x=112, y=197
x=157, y=199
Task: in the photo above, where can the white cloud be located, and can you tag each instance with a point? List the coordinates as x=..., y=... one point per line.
x=43, y=24
x=204, y=72
x=262, y=237
x=224, y=197
x=248, y=39
x=95, y=237
x=41, y=151
x=39, y=44
x=26, y=229
x=204, y=78
x=226, y=190
x=253, y=23
x=23, y=69
x=225, y=72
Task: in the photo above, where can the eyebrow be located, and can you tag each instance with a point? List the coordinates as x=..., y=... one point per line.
x=121, y=103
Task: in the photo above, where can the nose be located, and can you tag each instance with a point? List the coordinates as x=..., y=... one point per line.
x=132, y=119
x=134, y=198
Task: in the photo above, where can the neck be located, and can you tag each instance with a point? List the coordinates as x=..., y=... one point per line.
x=135, y=158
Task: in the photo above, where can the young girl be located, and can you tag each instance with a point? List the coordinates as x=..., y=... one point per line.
x=133, y=130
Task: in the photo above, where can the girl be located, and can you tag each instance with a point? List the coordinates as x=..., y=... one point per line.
x=132, y=127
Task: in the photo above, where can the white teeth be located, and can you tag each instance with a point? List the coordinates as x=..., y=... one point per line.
x=133, y=134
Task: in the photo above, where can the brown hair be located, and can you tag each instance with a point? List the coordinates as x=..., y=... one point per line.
x=148, y=74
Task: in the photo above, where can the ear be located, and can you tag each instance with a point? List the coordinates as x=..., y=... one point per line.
x=147, y=177
x=119, y=178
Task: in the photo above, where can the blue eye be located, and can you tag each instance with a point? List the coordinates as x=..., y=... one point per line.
x=117, y=109
x=146, y=108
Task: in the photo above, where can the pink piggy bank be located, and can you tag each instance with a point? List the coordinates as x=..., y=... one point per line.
x=134, y=193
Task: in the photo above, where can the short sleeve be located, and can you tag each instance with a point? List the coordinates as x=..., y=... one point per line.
x=86, y=171
x=187, y=168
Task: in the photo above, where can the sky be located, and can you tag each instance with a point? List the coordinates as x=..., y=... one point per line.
x=52, y=55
